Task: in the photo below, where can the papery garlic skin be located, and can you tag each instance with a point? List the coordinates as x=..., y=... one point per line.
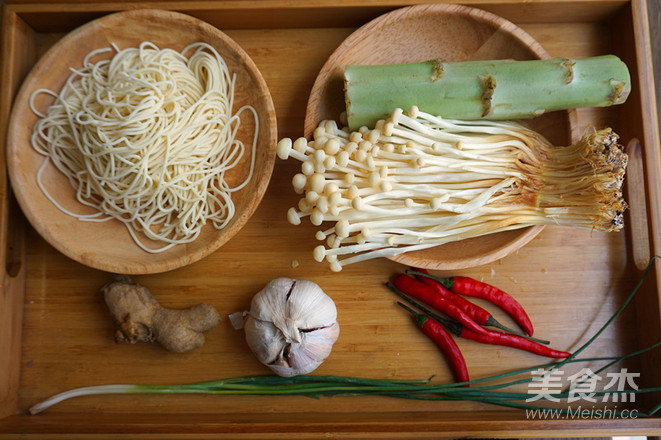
x=292, y=326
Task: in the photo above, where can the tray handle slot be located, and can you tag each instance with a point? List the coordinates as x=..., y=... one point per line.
x=15, y=247
x=11, y=306
x=636, y=197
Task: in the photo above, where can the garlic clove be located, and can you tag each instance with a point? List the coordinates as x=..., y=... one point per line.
x=264, y=339
x=296, y=359
x=270, y=300
x=309, y=306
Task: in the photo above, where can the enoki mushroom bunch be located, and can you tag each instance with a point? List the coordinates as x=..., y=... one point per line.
x=417, y=181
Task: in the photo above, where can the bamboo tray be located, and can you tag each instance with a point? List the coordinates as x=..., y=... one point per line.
x=55, y=333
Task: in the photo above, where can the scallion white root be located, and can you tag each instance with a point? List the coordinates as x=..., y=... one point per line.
x=417, y=181
x=84, y=391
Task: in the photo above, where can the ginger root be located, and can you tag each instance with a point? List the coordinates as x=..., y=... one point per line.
x=139, y=318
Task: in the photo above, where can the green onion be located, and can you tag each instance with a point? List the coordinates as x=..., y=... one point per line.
x=423, y=389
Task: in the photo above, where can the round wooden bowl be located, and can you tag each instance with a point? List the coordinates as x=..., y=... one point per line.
x=108, y=245
x=452, y=33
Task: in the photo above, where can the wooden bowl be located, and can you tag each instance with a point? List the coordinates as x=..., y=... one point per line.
x=108, y=245
x=452, y=33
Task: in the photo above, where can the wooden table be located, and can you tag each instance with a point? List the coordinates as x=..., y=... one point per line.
x=55, y=333
x=654, y=9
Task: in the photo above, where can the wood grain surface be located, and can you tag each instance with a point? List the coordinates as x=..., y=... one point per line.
x=570, y=281
x=654, y=12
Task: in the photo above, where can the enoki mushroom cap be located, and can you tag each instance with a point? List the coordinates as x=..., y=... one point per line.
x=284, y=148
x=293, y=217
x=319, y=253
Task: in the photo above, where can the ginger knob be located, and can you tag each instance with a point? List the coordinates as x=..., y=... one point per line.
x=139, y=317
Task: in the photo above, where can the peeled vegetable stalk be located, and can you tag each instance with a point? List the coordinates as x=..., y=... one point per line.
x=495, y=90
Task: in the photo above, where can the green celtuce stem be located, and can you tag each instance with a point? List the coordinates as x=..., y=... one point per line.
x=495, y=89
x=423, y=389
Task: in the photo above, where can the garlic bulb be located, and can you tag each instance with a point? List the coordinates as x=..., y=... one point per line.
x=292, y=326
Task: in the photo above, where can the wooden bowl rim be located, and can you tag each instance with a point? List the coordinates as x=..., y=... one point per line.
x=479, y=15
x=101, y=261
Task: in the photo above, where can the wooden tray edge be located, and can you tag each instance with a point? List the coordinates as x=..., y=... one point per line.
x=12, y=291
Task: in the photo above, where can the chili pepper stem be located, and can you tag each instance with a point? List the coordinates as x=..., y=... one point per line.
x=420, y=319
x=454, y=327
x=418, y=316
x=492, y=322
x=448, y=283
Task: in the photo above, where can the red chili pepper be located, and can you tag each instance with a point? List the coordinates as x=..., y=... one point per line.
x=477, y=313
x=437, y=333
x=427, y=295
x=515, y=341
x=476, y=289
x=490, y=337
